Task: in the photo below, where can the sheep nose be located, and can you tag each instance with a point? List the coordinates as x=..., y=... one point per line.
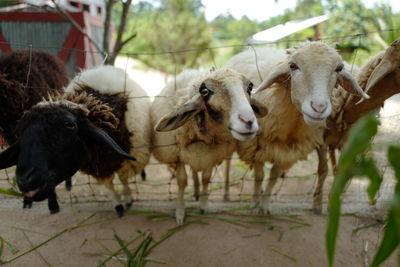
x=247, y=120
x=26, y=177
x=319, y=107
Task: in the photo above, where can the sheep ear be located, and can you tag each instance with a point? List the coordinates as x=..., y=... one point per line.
x=9, y=157
x=259, y=109
x=389, y=63
x=281, y=74
x=101, y=138
x=180, y=116
x=346, y=80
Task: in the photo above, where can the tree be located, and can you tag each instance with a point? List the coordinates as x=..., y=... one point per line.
x=109, y=52
x=173, y=39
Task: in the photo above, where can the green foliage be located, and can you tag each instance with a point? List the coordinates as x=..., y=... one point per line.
x=176, y=28
x=391, y=238
x=5, y=3
x=355, y=161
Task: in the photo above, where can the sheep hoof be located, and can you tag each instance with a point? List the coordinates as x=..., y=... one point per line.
x=202, y=211
x=196, y=197
x=316, y=211
x=53, y=206
x=55, y=210
x=179, y=216
x=143, y=175
x=68, y=184
x=119, y=209
x=27, y=203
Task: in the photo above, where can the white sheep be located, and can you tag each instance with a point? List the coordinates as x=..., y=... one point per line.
x=198, y=117
x=114, y=81
x=300, y=83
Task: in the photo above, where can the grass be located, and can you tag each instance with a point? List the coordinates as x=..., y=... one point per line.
x=139, y=256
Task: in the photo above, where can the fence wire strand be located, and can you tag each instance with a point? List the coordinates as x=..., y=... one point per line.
x=161, y=185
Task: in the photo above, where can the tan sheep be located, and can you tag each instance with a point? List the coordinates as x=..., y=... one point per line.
x=300, y=84
x=380, y=76
x=198, y=117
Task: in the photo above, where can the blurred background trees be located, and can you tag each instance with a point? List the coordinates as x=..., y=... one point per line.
x=179, y=25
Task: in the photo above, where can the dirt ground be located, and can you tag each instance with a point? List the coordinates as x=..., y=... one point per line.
x=83, y=233
x=223, y=240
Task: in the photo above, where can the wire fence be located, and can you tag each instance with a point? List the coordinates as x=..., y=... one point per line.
x=295, y=190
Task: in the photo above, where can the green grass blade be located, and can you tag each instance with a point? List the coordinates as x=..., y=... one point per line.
x=10, y=247
x=284, y=254
x=1, y=248
x=10, y=192
x=123, y=246
x=389, y=243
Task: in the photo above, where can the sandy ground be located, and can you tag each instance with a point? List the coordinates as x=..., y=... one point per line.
x=274, y=241
x=291, y=237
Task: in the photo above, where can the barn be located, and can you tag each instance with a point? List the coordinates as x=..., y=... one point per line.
x=41, y=27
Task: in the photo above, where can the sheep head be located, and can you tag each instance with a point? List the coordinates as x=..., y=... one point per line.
x=381, y=78
x=389, y=65
x=53, y=138
x=221, y=98
x=311, y=71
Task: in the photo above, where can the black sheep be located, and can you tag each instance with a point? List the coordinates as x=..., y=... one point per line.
x=26, y=78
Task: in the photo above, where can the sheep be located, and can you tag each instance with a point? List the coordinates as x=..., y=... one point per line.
x=101, y=115
x=299, y=102
x=198, y=120
x=26, y=77
x=380, y=77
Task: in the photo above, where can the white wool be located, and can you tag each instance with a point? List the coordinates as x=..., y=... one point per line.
x=111, y=80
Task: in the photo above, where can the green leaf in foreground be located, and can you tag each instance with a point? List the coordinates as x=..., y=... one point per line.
x=391, y=238
x=389, y=243
x=349, y=165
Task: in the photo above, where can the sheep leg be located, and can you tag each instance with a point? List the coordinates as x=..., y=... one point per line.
x=143, y=175
x=332, y=156
x=182, y=182
x=258, y=179
x=322, y=173
x=119, y=208
x=273, y=177
x=205, y=180
x=68, y=184
x=196, y=184
x=27, y=203
x=124, y=177
x=226, y=174
x=52, y=203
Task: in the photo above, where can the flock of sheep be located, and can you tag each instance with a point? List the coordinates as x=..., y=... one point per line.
x=102, y=123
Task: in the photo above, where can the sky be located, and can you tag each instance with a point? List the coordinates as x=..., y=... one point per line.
x=263, y=9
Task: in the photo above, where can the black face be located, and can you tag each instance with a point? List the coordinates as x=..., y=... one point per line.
x=50, y=151
x=52, y=145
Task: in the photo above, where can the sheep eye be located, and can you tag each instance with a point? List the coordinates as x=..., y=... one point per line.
x=204, y=90
x=293, y=66
x=69, y=125
x=250, y=88
x=339, y=68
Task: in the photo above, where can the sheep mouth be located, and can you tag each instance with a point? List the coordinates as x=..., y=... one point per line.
x=242, y=135
x=31, y=193
x=313, y=120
